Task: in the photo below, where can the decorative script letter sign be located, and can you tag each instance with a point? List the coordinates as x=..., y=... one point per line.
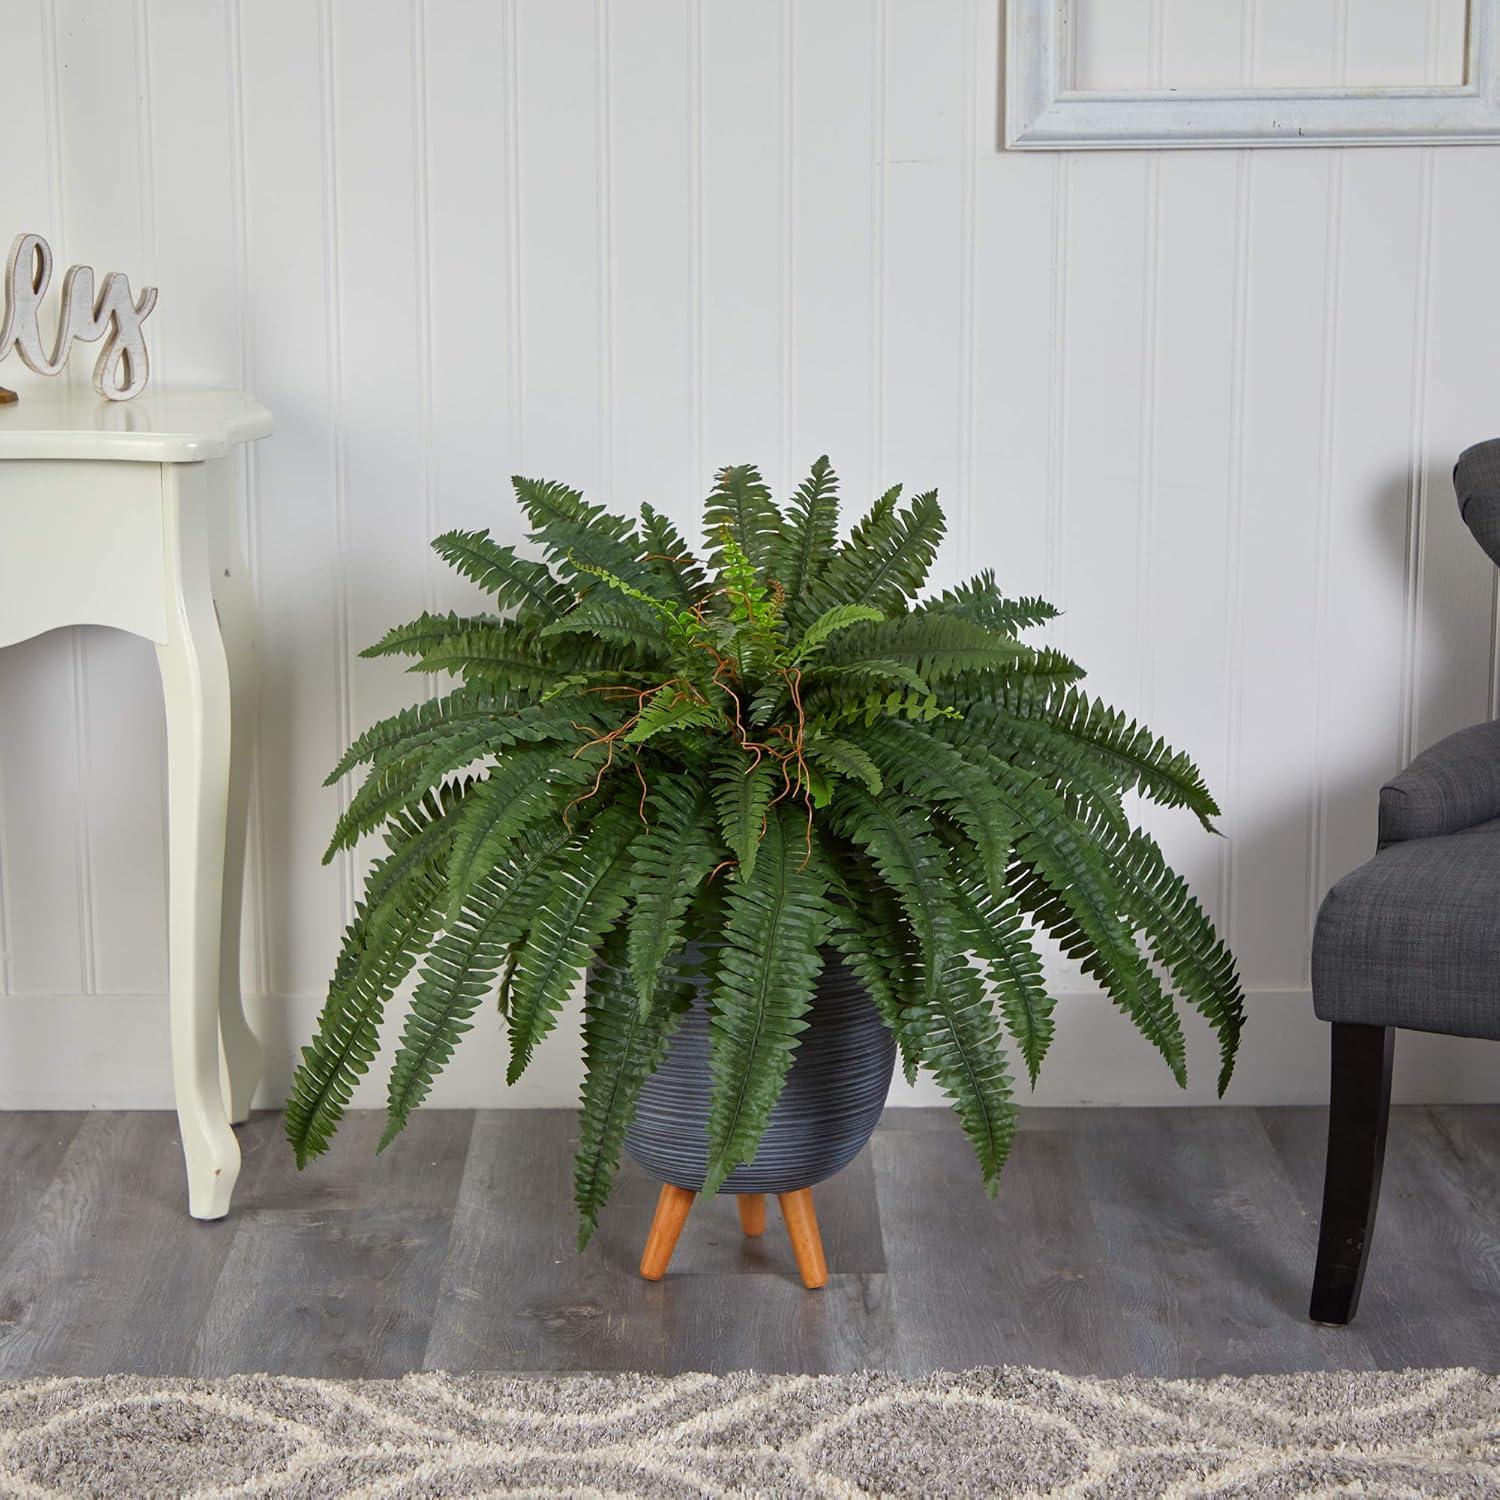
x=123, y=367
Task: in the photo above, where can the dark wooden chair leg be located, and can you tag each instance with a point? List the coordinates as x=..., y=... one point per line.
x=1359, y=1108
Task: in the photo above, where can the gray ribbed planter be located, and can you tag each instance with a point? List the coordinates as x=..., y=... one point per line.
x=833, y=1097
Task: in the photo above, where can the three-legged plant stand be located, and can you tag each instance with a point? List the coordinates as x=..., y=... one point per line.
x=674, y=1204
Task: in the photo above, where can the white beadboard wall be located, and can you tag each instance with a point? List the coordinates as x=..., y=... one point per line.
x=1207, y=401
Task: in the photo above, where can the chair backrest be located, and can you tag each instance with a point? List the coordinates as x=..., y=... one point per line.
x=1476, y=477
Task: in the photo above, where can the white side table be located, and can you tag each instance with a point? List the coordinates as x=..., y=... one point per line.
x=123, y=514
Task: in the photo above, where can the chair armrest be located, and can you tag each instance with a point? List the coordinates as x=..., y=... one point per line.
x=1476, y=481
x=1451, y=786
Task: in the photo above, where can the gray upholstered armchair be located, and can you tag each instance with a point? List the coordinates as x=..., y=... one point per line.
x=1409, y=939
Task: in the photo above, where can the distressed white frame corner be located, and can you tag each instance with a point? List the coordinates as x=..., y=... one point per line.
x=1043, y=114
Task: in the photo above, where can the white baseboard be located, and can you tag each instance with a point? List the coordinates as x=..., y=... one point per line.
x=110, y=1052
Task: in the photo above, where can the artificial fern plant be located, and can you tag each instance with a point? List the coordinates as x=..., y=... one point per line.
x=778, y=746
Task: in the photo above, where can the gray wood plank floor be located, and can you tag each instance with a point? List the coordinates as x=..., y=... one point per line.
x=1167, y=1241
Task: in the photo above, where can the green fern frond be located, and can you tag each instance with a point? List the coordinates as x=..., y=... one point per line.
x=380, y=949
x=740, y=507
x=615, y=618
x=426, y=633
x=887, y=557
x=809, y=537
x=996, y=928
x=1067, y=721
x=586, y=896
x=832, y=620
x=515, y=582
x=927, y=768
x=807, y=541
x=672, y=860
x=958, y=1038
x=623, y=1044
x=742, y=791
x=529, y=784
x=981, y=601
x=777, y=917
x=1064, y=880
x=671, y=710
x=463, y=966
x=675, y=571
x=843, y=757
x=1183, y=941
x=933, y=646
x=504, y=654
x=573, y=532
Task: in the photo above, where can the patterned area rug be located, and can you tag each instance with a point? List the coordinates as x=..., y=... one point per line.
x=987, y=1432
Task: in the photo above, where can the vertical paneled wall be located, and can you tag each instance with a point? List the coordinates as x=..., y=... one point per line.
x=1208, y=402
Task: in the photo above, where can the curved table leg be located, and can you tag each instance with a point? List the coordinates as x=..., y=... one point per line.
x=195, y=685
x=242, y=1049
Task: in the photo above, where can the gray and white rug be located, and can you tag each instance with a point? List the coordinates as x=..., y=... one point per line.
x=987, y=1432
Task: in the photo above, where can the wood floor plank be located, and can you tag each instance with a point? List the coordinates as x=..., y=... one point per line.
x=420, y=1170
x=516, y=1295
x=1207, y=1244
x=1022, y=1279
x=1431, y=1286
x=324, y=1292
x=1156, y=1241
x=334, y=1270
x=32, y=1146
x=110, y=1274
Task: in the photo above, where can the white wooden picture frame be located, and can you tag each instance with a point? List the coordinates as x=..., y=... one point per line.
x=1042, y=113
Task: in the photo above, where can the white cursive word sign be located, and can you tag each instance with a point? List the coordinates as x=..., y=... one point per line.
x=123, y=366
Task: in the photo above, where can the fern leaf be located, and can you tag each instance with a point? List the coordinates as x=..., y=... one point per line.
x=503, y=654
x=1067, y=722
x=527, y=785
x=741, y=506
x=839, y=617
x=886, y=559
x=672, y=860
x=960, y=1042
x=676, y=571
x=981, y=601
x=623, y=1044
x=1182, y=939
x=426, y=633
x=620, y=620
x=845, y=758
x=380, y=948
x=462, y=967
x=928, y=768
x=584, y=899
x=1063, y=879
x=515, y=582
x=996, y=926
x=572, y=532
x=870, y=933
x=742, y=791
x=670, y=711
x=806, y=545
x=933, y=646
x=767, y=970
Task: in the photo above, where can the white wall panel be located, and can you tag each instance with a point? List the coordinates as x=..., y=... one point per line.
x=1208, y=401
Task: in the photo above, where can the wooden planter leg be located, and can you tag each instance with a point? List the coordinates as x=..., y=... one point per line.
x=807, y=1243
x=671, y=1214
x=753, y=1213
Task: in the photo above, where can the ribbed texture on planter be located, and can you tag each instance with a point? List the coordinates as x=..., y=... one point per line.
x=833, y=1097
